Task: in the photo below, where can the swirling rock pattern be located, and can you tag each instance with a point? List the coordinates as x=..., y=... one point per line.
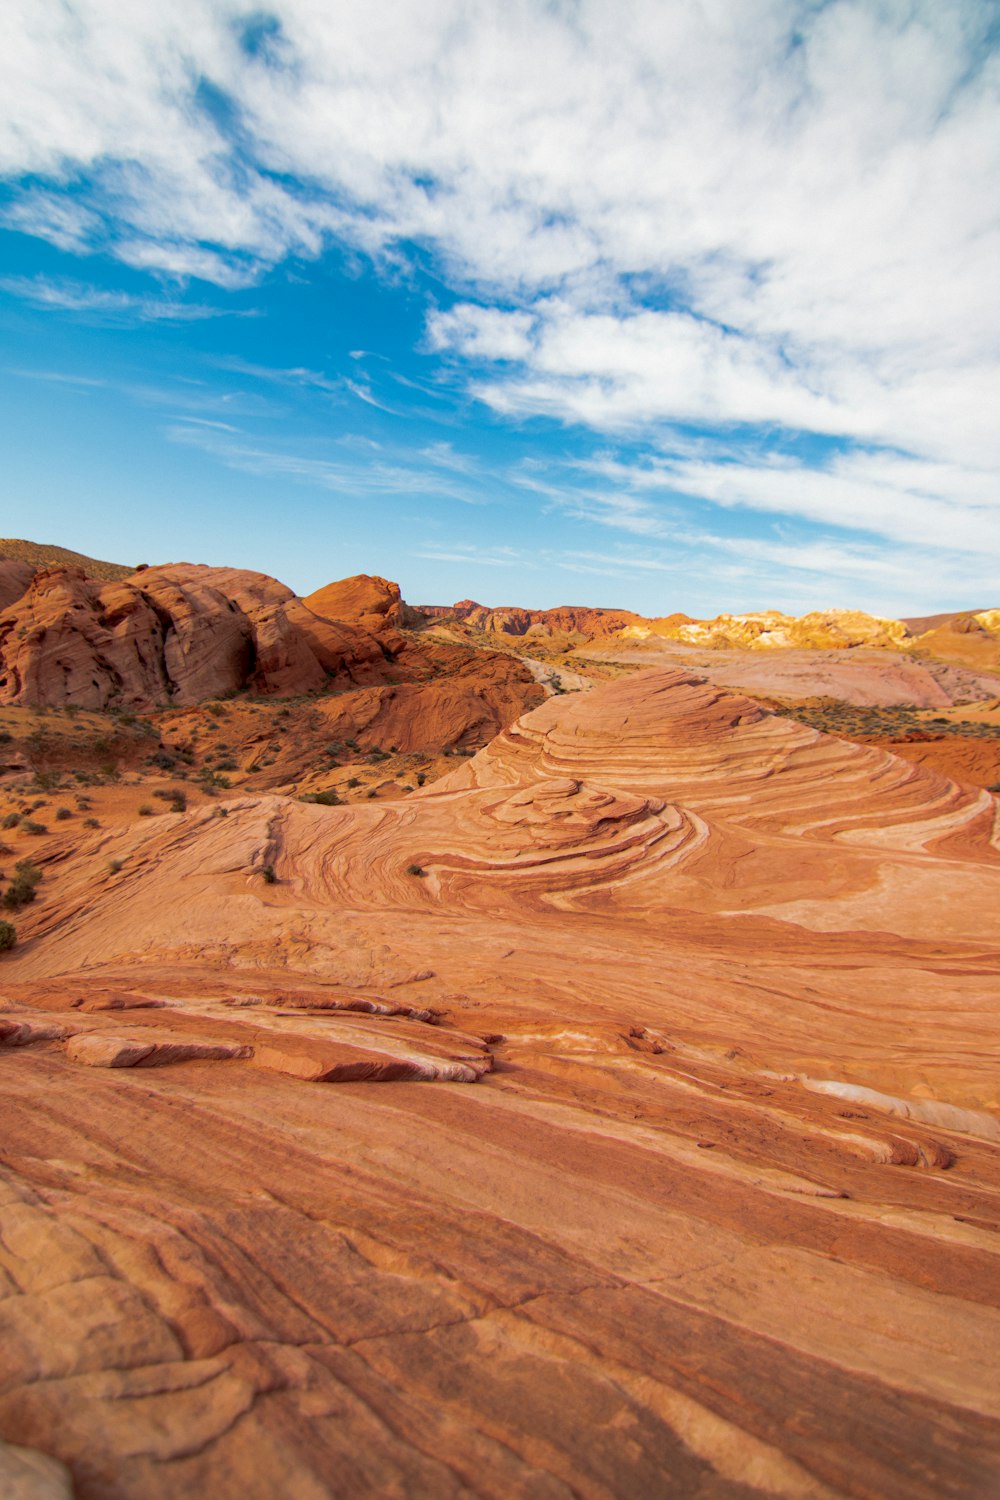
x=717, y=1216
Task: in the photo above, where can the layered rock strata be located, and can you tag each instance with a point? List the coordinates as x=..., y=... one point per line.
x=713, y=1211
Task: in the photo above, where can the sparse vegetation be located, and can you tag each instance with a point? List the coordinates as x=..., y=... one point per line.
x=8, y=936
x=268, y=875
x=416, y=870
x=21, y=891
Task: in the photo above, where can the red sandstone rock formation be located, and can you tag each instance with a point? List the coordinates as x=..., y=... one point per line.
x=365, y=600
x=15, y=577
x=593, y=624
x=713, y=1213
x=178, y=634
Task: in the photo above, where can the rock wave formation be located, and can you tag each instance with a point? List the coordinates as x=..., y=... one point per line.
x=711, y=1211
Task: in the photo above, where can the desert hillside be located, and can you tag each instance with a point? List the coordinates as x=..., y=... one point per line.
x=559, y=1129
x=44, y=555
x=454, y=1052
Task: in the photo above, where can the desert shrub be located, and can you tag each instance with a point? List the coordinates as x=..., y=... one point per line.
x=416, y=870
x=268, y=875
x=145, y=810
x=421, y=778
x=8, y=936
x=227, y=765
x=11, y=820
x=353, y=781
x=21, y=891
x=114, y=865
x=325, y=799
x=163, y=759
x=62, y=813
x=210, y=780
x=36, y=829
x=5, y=736
x=91, y=823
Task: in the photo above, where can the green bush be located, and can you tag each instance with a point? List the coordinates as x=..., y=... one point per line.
x=270, y=877
x=8, y=936
x=21, y=891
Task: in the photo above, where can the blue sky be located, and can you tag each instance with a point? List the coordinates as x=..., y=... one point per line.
x=667, y=306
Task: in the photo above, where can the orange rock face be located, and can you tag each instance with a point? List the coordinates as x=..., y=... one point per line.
x=573, y=620
x=365, y=600
x=178, y=634
x=616, y=1117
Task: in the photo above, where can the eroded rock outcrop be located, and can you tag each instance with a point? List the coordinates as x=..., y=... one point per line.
x=365, y=600
x=177, y=634
x=565, y=620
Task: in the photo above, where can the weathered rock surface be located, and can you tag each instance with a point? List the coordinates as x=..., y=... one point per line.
x=718, y=1217
x=857, y=676
x=770, y=629
x=564, y=620
x=15, y=577
x=365, y=600
x=181, y=634
x=178, y=634
x=27, y=1475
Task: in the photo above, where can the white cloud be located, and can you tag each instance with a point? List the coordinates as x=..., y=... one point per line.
x=719, y=214
x=61, y=295
x=393, y=474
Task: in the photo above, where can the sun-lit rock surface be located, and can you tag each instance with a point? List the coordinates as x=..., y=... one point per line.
x=365, y=599
x=179, y=633
x=856, y=676
x=713, y=1211
x=565, y=620
x=770, y=629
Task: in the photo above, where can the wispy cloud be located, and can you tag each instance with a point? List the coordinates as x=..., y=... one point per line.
x=99, y=303
x=376, y=475
x=58, y=377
